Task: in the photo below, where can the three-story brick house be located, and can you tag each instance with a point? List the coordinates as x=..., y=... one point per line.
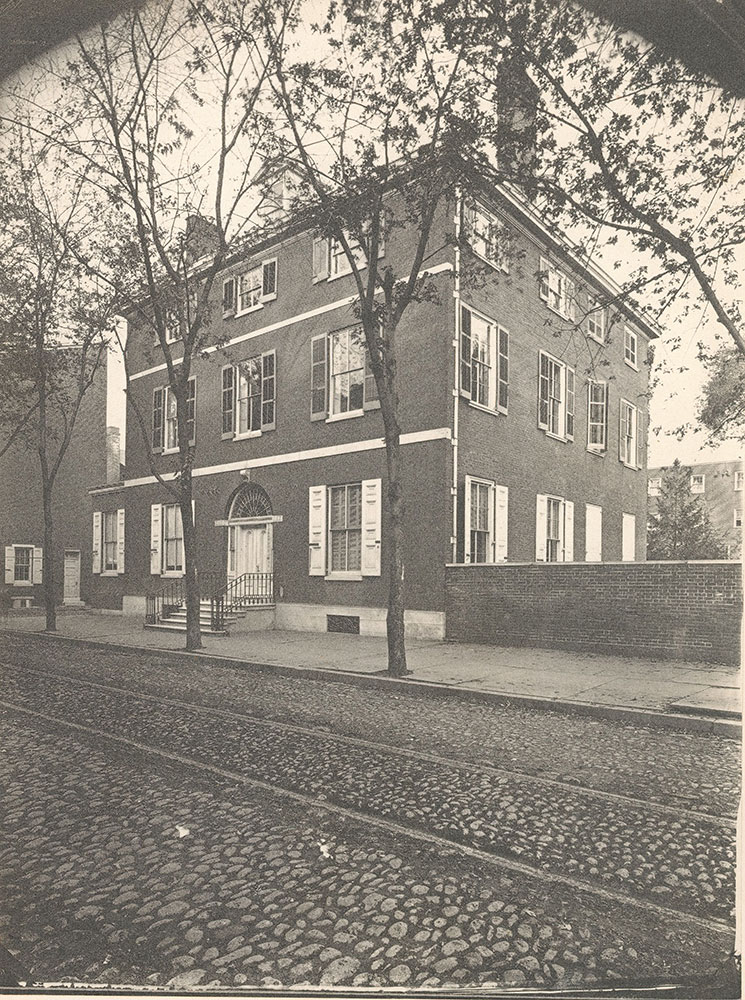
x=523, y=407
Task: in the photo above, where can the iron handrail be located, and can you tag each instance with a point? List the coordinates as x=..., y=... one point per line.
x=168, y=599
x=247, y=590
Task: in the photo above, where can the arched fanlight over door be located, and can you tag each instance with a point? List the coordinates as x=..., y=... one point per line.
x=249, y=500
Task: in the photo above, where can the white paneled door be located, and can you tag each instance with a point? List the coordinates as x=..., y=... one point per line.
x=71, y=592
x=250, y=549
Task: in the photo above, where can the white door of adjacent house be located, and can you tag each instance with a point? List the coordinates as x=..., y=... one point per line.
x=71, y=590
x=250, y=549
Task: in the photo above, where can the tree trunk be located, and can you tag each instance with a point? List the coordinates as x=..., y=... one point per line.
x=191, y=582
x=48, y=559
x=395, y=628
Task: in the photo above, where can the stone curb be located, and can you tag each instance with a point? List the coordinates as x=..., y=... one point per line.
x=647, y=717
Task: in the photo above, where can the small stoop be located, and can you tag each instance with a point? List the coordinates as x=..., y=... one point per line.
x=176, y=621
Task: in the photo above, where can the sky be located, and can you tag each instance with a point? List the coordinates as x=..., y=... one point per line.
x=680, y=378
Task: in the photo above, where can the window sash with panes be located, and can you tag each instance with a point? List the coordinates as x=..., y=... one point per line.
x=345, y=528
x=486, y=236
x=24, y=561
x=346, y=371
x=555, y=397
x=173, y=539
x=596, y=320
x=109, y=532
x=554, y=530
x=597, y=416
x=484, y=365
x=556, y=289
x=481, y=501
x=249, y=396
x=628, y=431
x=698, y=484
x=739, y=476
x=165, y=417
x=630, y=348
x=654, y=488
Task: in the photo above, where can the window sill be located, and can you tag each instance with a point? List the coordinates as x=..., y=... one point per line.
x=569, y=318
x=345, y=274
x=557, y=437
x=504, y=268
x=246, y=434
x=109, y=572
x=169, y=451
x=173, y=574
x=343, y=576
x=631, y=364
x=251, y=309
x=23, y=583
x=487, y=409
x=597, y=452
x=344, y=416
x=598, y=340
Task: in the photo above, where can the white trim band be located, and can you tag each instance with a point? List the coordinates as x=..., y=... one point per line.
x=373, y=444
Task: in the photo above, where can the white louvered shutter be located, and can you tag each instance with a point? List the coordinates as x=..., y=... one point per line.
x=10, y=563
x=317, y=531
x=501, y=498
x=593, y=533
x=38, y=568
x=96, y=547
x=467, y=520
x=371, y=526
x=156, y=515
x=541, y=505
x=320, y=258
x=120, y=540
x=568, y=531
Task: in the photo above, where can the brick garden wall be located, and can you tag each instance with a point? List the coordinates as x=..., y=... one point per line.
x=675, y=610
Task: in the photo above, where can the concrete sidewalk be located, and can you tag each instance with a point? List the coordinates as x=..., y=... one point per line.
x=553, y=677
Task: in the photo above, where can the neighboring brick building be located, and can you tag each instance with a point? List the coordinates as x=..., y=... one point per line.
x=720, y=486
x=523, y=413
x=21, y=514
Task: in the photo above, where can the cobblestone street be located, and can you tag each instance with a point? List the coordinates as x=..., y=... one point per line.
x=166, y=822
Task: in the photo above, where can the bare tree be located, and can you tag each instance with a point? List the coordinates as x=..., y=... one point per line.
x=54, y=324
x=159, y=113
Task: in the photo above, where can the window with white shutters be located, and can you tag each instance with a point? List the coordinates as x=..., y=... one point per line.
x=344, y=530
x=249, y=396
x=250, y=290
x=341, y=379
x=631, y=348
x=484, y=361
x=173, y=541
x=556, y=289
x=597, y=416
x=486, y=235
x=628, y=431
x=555, y=397
x=596, y=320
x=24, y=564
x=485, y=521
x=165, y=417
x=554, y=529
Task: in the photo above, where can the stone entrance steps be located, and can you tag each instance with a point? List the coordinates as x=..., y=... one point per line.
x=176, y=621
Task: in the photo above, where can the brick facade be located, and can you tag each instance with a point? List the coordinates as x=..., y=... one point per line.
x=688, y=611
x=445, y=436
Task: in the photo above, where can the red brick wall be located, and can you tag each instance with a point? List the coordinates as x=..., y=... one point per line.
x=687, y=611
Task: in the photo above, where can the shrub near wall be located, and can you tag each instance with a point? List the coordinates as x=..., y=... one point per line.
x=663, y=610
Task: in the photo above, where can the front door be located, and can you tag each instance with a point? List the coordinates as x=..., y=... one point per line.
x=71, y=592
x=249, y=549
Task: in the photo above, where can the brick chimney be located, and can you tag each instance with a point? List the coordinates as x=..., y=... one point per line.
x=200, y=237
x=113, y=455
x=516, y=126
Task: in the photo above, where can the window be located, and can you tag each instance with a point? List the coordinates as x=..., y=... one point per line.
x=628, y=434
x=556, y=289
x=738, y=519
x=698, y=483
x=330, y=259
x=165, y=420
x=249, y=391
x=630, y=348
x=173, y=540
x=173, y=327
x=24, y=562
x=344, y=530
x=485, y=517
x=593, y=533
x=251, y=290
x=596, y=320
x=597, y=416
x=108, y=542
x=554, y=529
x=654, y=487
x=486, y=235
x=555, y=397
x=484, y=361
x=342, y=382
x=628, y=538
x=109, y=546
x=738, y=480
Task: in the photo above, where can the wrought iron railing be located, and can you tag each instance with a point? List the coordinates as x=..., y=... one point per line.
x=248, y=590
x=169, y=599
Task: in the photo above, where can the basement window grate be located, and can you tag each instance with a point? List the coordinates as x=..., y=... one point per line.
x=343, y=623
